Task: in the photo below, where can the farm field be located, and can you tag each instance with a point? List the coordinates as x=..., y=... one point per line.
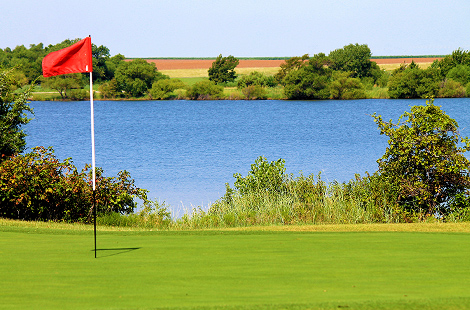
x=52, y=266
x=178, y=68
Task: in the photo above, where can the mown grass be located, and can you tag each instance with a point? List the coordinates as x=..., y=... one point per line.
x=53, y=267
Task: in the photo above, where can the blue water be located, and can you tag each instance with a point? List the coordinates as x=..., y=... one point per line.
x=184, y=152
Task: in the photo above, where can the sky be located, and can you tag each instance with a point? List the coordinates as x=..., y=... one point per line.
x=242, y=28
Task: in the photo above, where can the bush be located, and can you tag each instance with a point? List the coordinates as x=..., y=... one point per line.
x=37, y=186
x=451, y=89
x=78, y=94
x=256, y=79
x=205, y=90
x=162, y=89
x=254, y=92
x=425, y=161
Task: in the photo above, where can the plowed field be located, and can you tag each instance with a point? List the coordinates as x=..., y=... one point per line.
x=178, y=64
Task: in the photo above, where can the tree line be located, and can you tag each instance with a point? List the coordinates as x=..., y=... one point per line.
x=345, y=73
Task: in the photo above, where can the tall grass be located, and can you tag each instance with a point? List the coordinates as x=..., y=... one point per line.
x=304, y=200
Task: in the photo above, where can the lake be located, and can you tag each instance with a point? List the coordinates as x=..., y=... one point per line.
x=184, y=152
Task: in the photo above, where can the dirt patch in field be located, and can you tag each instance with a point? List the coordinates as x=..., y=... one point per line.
x=391, y=61
x=178, y=64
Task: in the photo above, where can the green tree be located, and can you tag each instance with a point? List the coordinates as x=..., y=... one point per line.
x=64, y=83
x=425, y=161
x=310, y=81
x=136, y=77
x=223, y=69
x=413, y=82
x=256, y=78
x=460, y=73
x=353, y=58
x=291, y=64
x=13, y=114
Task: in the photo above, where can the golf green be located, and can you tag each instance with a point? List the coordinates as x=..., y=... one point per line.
x=56, y=269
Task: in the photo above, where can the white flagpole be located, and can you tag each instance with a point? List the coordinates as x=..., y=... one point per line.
x=93, y=154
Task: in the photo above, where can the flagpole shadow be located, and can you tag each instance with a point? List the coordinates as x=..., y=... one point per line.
x=114, y=251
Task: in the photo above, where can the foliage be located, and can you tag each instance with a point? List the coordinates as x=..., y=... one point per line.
x=291, y=64
x=136, y=77
x=13, y=114
x=352, y=58
x=307, y=84
x=255, y=92
x=451, y=89
x=38, y=186
x=345, y=87
x=205, y=89
x=263, y=176
x=424, y=161
x=162, y=89
x=110, y=89
x=460, y=73
x=257, y=79
x=223, y=69
x=63, y=83
x=458, y=57
x=269, y=196
x=413, y=82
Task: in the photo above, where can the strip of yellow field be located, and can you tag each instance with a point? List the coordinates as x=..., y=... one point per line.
x=396, y=227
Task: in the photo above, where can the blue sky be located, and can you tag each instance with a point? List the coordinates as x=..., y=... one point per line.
x=242, y=28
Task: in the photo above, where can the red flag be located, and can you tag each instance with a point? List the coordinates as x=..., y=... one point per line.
x=73, y=59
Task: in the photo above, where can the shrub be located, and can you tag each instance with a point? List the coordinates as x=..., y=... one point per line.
x=424, y=160
x=256, y=79
x=255, y=92
x=451, y=89
x=205, y=90
x=37, y=186
x=162, y=89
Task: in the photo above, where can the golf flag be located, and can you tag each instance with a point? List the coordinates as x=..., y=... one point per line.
x=73, y=59
x=76, y=59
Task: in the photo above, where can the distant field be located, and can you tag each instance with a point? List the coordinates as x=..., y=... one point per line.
x=180, y=68
x=52, y=266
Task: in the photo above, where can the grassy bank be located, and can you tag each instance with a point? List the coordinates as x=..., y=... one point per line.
x=54, y=268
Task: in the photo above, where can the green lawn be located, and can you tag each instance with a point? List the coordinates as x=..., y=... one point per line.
x=52, y=268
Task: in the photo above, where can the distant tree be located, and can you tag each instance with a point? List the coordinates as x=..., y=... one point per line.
x=63, y=83
x=460, y=73
x=291, y=64
x=136, y=77
x=424, y=160
x=413, y=82
x=223, y=69
x=310, y=81
x=13, y=114
x=353, y=58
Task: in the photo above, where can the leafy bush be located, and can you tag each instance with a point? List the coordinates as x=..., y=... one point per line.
x=424, y=160
x=37, y=186
x=205, y=90
x=460, y=73
x=255, y=92
x=344, y=87
x=162, y=89
x=13, y=114
x=451, y=89
x=257, y=79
